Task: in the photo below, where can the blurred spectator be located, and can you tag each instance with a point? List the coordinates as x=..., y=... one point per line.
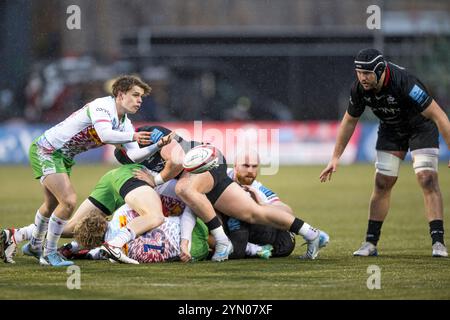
x=53, y=90
x=6, y=102
x=240, y=112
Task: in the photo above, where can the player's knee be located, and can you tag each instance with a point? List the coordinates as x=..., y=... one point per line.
x=158, y=219
x=48, y=207
x=182, y=190
x=154, y=214
x=384, y=184
x=387, y=164
x=70, y=202
x=425, y=162
x=428, y=181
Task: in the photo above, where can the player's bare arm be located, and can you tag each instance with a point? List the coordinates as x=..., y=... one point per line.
x=346, y=129
x=171, y=169
x=282, y=205
x=173, y=154
x=166, y=140
x=144, y=175
x=185, y=255
x=435, y=113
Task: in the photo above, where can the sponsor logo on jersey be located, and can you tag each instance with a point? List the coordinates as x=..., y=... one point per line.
x=48, y=170
x=103, y=110
x=385, y=110
x=233, y=224
x=391, y=100
x=418, y=94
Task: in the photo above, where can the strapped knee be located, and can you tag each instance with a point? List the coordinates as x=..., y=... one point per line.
x=387, y=164
x=425, y=159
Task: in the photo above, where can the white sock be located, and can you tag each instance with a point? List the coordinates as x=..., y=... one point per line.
x=55, y=229
x=95, y=254
x=124, y=236
x=252, y=249
x=38, y=235
x=75, y=246
x=308, y=232
x=219, y=234
x=24, y=233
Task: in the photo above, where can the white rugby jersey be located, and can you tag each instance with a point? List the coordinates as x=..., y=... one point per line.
x=159, y=244
x=172, y=205
x=77, y=134
x=267, y=195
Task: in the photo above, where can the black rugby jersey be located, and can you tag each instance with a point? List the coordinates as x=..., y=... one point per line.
x=155, y=162
x=399, y=103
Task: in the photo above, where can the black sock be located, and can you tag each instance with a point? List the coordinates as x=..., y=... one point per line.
x=296, y=226
x=214, y=223
x=373, y=231
x=437, y=231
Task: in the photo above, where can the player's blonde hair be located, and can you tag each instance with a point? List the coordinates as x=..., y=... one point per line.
x=90, y=231
x=126, y=83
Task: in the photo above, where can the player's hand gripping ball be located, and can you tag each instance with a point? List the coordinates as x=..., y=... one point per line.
x=201, y=158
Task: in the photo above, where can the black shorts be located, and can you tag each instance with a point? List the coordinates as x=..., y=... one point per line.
x=241, y=233
x=425, y=135
x=283, y=242
x=221, y=180
x=110, y=201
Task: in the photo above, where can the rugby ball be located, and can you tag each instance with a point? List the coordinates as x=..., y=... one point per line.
x=201, y=158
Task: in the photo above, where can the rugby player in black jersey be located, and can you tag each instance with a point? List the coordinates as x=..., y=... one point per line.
x=410, y=119
x=207, y=191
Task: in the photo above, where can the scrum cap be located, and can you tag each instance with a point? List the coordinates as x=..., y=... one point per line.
x=370, y=60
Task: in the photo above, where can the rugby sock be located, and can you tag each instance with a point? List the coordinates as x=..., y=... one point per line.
x=216, y=229
x=437, y=231
x=38, y=235
x=55, y=229
x=75, y=246
x=302, y=228
x=252, y=249
x=219, y=235
x=24, y=233
x=124, y=236
x=373, y=231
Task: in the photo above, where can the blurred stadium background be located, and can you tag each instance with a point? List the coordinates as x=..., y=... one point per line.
x=285, y=64
x=288, y=61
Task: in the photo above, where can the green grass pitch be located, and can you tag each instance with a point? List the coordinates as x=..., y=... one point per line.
x=407, y=269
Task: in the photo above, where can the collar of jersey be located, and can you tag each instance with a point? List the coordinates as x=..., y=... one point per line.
x=388, y=76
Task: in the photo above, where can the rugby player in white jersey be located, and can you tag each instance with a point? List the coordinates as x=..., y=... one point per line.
x=102, y=121
x=158, y=245
x=90, y=228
